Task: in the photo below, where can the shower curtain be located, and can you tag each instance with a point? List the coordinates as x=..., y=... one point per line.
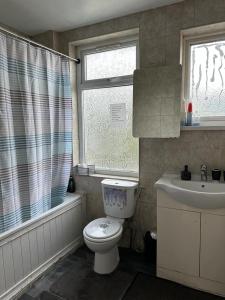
x=35, y=131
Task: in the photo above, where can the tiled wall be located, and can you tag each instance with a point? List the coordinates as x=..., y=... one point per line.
x=159, y=45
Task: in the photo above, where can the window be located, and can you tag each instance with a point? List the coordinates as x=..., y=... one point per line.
x=105, y=88
x=204, y=80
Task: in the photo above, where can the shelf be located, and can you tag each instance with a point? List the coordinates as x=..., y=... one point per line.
x=194, y=128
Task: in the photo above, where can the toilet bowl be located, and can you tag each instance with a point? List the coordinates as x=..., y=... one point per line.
x=102, y=236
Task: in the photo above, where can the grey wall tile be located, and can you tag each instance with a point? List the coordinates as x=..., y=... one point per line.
x=172, y=49
x=208, y=11
x=151, y=157
x=152, y=51
x=174, y=17
x=188, y=16
x=153, y=23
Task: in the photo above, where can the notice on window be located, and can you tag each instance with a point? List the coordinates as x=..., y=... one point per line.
x=118, y=114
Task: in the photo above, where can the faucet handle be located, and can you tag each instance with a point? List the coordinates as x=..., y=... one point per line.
x=203, y=167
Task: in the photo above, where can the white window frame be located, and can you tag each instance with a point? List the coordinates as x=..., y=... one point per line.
x=194, y=36
x=83, y=84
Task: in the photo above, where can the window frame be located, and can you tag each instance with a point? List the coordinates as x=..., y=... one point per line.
x=196, y=39
x=83, y=84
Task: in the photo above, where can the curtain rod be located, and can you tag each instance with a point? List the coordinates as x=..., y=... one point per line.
x=76, y=60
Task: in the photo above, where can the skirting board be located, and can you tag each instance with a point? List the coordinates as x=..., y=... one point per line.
x=19, y=288
x=198, y=283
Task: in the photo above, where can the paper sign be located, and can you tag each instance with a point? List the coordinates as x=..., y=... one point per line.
x=118, y=114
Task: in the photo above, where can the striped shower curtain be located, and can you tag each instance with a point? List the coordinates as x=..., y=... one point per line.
x=35, y=131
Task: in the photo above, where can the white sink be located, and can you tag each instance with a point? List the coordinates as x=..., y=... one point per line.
x=196, y=193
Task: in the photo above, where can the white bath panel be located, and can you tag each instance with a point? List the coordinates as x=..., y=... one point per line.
x=47, y=240
x=40, y=244
x=65, y=229
x=33, y=248
x=2, y=273
x=8, y=265
x=58, y=226
x=53, y=236
x=26, y=253
x=76, y=217
x=17, y=259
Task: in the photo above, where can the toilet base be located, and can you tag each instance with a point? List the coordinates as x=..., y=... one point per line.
x=106, y=262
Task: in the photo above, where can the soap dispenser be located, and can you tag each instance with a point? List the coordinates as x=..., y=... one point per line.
x=185, y=174
x=71, y=185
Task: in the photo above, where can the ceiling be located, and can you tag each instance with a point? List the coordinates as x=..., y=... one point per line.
x=35, y=16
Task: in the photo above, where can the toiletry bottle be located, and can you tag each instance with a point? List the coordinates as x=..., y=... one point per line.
x=185, y=174
x=216, y=174
x=189, y=115
x=71, y=185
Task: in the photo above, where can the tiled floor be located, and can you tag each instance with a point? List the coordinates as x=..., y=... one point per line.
x=73, y=279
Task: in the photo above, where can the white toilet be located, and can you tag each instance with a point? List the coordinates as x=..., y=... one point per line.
x=102, y=235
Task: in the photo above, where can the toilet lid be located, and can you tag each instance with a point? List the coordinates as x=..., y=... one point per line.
x=102, y=228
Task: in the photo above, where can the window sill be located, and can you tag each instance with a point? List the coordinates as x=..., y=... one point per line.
x=202, y=127
x=136, y=179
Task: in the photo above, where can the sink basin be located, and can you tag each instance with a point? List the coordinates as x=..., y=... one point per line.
x=196, y=193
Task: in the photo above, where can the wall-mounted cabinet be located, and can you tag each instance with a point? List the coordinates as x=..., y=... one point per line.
x=157, y=102
x=190, y=245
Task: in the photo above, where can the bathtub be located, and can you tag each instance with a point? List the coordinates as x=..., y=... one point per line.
x=31, y=248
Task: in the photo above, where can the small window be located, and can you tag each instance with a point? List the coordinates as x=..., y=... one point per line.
x=105, y=88
x=117, y=62
x=204, y=78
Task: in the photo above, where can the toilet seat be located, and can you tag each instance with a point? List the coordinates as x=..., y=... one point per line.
x=102, y=241
x=102, y=229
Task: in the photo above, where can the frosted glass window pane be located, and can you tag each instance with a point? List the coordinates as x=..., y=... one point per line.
x=108, y=145
x=207, y=79
x=112, y=63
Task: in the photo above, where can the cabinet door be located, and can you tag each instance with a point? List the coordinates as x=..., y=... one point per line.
x=212, y=258
x=178, y=240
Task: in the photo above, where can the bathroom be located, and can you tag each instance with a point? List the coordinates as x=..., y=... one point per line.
x=44, y=256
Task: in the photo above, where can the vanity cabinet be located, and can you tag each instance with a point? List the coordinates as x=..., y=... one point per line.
x=178, y=240
x=190, y=244
x=212, y=253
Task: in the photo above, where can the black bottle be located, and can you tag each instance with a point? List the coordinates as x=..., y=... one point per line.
x=216, y=174
x=185, y=174
x=71, y=185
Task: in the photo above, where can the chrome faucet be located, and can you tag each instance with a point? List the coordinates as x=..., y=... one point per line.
x=204, y=173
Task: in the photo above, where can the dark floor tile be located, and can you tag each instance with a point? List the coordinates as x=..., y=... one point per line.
x=49, y=296
x=26, y=297
x=43, y=284
x=53, y=274
x=147, y=287
x=83, y=253
x=71, y=280
x=83, y=283
x=131, y=260
x=73, y=277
